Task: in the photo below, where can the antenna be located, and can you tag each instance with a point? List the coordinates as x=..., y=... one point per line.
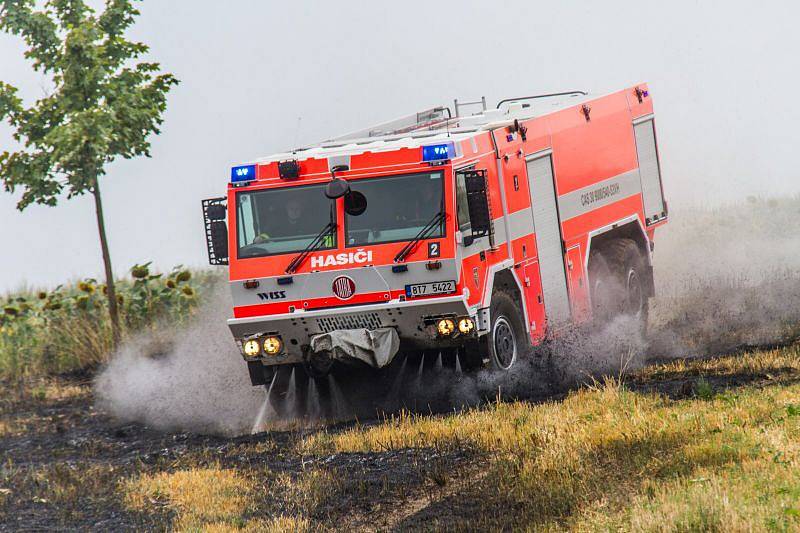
x=297, y=131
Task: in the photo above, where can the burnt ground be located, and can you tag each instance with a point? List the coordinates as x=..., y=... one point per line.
x=62, y=460
x=70, y=449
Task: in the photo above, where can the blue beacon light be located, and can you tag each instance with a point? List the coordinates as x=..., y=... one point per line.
x=243, y=174
x=439, y=152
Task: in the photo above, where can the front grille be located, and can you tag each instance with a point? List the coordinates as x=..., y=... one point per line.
x=356, y=321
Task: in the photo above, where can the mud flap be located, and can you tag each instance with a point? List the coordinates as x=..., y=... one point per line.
x=376, y=347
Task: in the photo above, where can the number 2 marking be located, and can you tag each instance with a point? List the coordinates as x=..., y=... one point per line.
x=433, y=249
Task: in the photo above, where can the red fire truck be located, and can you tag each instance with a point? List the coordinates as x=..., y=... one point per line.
x=479, y=234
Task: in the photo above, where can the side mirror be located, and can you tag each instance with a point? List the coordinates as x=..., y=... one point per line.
x=337, y=188
x=480, y=215
x=355, y=203
x=214, y=212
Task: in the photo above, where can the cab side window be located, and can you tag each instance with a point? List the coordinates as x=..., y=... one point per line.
x=462, y=209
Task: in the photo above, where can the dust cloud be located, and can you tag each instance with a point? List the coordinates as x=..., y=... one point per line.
x=726, y=278
x=190, y=378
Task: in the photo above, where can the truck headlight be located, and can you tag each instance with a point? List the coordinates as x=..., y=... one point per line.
x=466, y=325
x=445, y=327
x=273, y=345
x=251, y=348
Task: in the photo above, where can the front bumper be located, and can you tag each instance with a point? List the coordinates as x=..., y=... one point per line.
x=409, y=318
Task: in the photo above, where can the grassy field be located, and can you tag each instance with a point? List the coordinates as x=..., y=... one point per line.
x=710, y=445
x=610, y=457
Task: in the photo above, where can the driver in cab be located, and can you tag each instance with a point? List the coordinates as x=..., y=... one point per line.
x=293, y=224
x=426, y=204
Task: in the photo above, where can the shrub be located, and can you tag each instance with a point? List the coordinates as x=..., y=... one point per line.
x=68, y=328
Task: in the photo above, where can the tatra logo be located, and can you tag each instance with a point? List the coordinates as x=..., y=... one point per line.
x=275, y=295
x=346, y=258
x=344, y=288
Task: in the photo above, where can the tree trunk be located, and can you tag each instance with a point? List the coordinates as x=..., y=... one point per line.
x=112, y=292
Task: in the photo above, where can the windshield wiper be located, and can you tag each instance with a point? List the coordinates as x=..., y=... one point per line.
x=313, y=245
x=423, y=233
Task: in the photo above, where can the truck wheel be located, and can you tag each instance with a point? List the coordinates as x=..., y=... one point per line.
x=318, y=366
x=507, y=337
x=604, y=289
x=627, y=267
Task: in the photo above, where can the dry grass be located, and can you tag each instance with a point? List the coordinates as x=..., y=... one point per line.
x=18, y=424
x=305, y=492
x=213, y=498
x=204, y=497
x=40, y=391
x=43, y=392
x=766, y=363
x=608, y=458
x=12, y=426
x=279, y=524
x=58, y=392
x=68, y=487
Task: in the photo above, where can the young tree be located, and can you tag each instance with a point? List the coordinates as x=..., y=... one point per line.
x=103, y=105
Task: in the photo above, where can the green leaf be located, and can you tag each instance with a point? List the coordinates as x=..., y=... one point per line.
x=103, y=106
x=37, y=28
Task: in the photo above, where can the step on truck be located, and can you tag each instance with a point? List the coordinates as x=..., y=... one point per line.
x=479, y=234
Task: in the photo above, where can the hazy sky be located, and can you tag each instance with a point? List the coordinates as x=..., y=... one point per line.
x=259, y=77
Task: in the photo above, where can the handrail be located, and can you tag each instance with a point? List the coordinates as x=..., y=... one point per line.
x=567, y=93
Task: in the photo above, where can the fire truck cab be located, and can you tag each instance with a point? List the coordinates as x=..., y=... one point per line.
x=480, y=233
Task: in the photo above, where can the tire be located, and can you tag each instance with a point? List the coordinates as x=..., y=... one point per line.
x=628, y=272
x=603, y=289
x=318, y=366
x=507, y=338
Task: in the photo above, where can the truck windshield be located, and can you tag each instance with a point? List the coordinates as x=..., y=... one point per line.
x=398, y=207
x=281, y=221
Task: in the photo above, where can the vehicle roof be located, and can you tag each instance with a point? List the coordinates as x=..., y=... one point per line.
x=381, y=138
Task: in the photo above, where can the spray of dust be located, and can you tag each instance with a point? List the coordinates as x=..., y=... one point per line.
x=197, y=382
x=725, y=278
